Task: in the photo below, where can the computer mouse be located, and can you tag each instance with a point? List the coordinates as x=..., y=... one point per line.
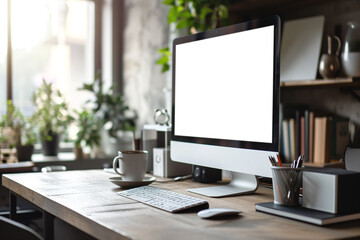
x=217, y=212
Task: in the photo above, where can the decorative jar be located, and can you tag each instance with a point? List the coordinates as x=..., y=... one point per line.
x=351, y=51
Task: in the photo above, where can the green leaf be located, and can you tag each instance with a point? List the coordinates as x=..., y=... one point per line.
x=180, y=8
x=165, y=68
x=204, y=12
x=191, y=23
x=169, y=2
x=223, y=12
x=182, y=23
x=162, y=60
x=172, y=16
x=88, y=87
x=164, y=50
x=184, y=14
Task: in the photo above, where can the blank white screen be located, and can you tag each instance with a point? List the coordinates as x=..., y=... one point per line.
x=224, y=87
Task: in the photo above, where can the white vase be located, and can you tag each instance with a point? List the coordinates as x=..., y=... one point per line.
x=351, y=52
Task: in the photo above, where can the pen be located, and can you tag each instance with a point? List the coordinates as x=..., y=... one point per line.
x=299, y=161
x=272, y=161
x=279, y=161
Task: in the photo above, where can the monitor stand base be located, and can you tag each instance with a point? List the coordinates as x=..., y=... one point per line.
x=240, y=184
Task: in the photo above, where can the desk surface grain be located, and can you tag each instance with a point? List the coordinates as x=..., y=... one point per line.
x=88, y=200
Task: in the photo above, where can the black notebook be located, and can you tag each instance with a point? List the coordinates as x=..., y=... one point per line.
x=305, y=214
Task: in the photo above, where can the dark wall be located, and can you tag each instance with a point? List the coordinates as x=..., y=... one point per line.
x=337, y=12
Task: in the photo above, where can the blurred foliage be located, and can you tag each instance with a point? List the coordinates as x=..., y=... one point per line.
x=88, y=129
x=51, y=113
x=111, y=108
x=15, y=128
x=198, y=15
x=194, y=16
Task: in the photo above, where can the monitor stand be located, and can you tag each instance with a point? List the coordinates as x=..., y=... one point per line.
x=240, y=184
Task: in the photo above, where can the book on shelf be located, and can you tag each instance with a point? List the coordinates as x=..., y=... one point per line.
x=285, y=140
x=319, y=137
x=302, y=136
x=340, y=136
x=292, y=139
x=309, y=135
x=291, y=143
x=297, y=133
x=322, y=140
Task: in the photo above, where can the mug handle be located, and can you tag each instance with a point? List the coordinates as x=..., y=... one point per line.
x=115, y=164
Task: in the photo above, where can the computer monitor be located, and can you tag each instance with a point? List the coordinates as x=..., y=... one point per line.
x=225, y=102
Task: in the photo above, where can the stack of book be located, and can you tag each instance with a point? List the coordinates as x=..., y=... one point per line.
x=320, y=138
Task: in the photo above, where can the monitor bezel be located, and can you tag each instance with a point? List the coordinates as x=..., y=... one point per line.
x=240, y=27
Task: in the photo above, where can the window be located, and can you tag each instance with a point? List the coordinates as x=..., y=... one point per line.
x=51, y=40
x=3, y=49
x=63, y=41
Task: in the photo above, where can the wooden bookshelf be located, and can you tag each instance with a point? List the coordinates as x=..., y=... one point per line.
x=338, y=82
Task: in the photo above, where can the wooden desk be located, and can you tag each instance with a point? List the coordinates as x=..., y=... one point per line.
x=88, y=200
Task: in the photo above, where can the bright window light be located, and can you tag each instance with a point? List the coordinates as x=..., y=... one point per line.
x=3, y=49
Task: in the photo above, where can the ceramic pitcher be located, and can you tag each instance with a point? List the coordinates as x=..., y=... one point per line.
x=329, y=63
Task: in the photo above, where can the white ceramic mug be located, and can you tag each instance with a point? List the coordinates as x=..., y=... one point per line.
x=132, y=164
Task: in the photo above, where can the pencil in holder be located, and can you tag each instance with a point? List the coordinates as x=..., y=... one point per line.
x=286, y=185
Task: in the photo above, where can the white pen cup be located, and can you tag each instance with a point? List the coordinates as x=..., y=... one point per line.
x=132, y=164
x=286, y=185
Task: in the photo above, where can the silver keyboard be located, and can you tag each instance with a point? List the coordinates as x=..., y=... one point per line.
x=164, y=199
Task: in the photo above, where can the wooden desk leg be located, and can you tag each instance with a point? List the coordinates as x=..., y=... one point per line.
x=13, y=205
x=48, y=225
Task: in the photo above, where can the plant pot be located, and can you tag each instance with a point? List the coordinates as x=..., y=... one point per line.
x=79, y=154
x=51, y=148
x=24, y=152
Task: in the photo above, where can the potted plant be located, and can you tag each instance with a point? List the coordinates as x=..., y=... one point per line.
x=11, y=125
x=117, y=118
x=25, y=147
x=88, y=134
x=18, y=132
x=51, y=116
